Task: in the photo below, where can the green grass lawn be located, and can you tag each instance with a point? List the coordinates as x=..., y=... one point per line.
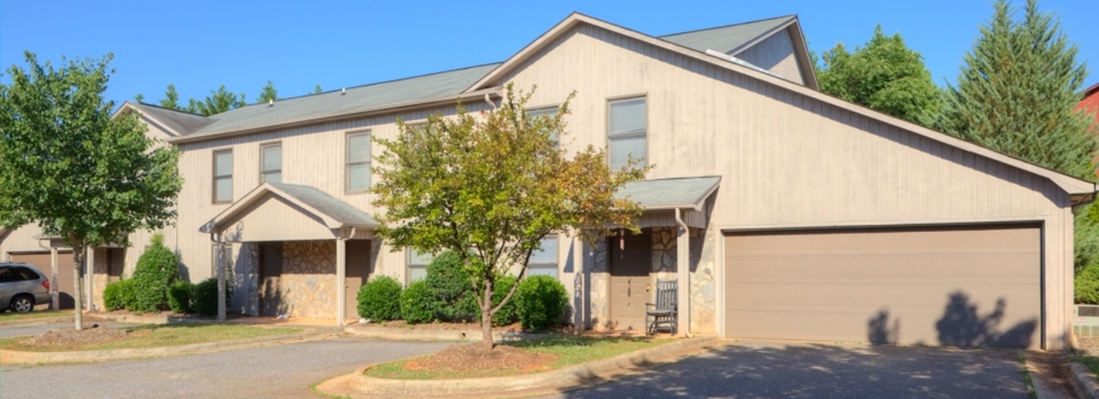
x=37, y=314
x=570, y=350
x=1092, y=362
x=153, y=335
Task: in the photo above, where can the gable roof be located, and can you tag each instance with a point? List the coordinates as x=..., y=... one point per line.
x=333, y=212
x=1079, y=189
x=175, y=123
x=345, y=103
x=730, y=39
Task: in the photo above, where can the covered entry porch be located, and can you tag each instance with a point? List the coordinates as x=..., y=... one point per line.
x=309, y=252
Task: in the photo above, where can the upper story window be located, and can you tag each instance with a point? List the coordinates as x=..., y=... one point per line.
x=223, y=176
x=544, y=262
x=627, y=130
x=417, y=264
x=358, y=162
x=549, y=112
x=271, y=163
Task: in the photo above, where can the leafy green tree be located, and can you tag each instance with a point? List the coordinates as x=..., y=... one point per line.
x=884, y=75
x=68, y=166
x=268, y=93
x=139, y=97
x=171, y=99
x=317, y=89
x=1016, y=94
x=489, y=188
x=217, y=102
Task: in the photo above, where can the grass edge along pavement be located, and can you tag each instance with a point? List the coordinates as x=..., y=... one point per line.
x=578, y=376
x=14, y=357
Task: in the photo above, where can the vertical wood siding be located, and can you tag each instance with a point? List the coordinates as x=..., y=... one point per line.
x=775, y=54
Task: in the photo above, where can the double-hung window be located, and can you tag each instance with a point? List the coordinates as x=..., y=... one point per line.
x=358, y=162
x=271, y=163
x=627, y=130
x=417, y=264
x=544, y=262
x=548, y=112
x=223, y=176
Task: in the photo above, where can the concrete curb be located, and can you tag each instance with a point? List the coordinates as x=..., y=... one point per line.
x=155, y=318
x=10, y=357
x=405, y=334
x=1083, y=381
x=357, y=385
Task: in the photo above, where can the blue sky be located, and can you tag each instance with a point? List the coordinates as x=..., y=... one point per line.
x=199, y=45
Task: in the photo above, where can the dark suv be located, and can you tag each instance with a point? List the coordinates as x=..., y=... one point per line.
x=22, y=286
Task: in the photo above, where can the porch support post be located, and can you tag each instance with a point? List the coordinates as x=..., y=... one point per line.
x=683, y=275
x=89, y=264
x=55, y=302
x=341, y=280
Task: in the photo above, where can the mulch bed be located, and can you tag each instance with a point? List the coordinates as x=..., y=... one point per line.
x=92, y=334
x=473, y=357
x=514, y=327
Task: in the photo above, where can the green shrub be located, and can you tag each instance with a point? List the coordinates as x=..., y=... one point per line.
x=156, y=269
x=114, y=295
x=179, y=297
x=451, y=289
x=380, y=299
x=1087, y=285
x=204, y=297
x=506, y=315
x=541, y=302
x=417, y=305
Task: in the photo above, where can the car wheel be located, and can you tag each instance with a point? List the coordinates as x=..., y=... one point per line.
x=22, y=304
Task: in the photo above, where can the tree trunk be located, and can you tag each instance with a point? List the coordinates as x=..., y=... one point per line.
x=78, y=294
x=486, y=318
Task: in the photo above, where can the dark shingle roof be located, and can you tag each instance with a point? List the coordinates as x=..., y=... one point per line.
x=669, y=193
x=340, y=211
x=727, y=38
x=179, y=121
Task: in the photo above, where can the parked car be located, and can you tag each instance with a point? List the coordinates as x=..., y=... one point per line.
x=22, y=286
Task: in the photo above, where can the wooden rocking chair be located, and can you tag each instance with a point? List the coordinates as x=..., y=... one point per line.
x=662, y=315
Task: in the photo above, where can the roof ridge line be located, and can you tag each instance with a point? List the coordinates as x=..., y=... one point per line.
x=726, y=26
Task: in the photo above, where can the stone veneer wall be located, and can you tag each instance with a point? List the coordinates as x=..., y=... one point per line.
x=595, y=265
x=703, y=303
x=307, y=284
x=99, y=277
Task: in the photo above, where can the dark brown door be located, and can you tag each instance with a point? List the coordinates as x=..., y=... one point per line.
x=270, y=294
x=116, y=262
x=954, y=286
x=358, y=269
x=630, y=261
x=41, y=261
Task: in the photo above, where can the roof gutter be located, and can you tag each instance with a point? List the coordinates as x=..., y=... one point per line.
x=1087, y=199
x=361, y=113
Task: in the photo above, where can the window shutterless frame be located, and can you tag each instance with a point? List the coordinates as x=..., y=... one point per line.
x=357, y=162
x=417, y=262
x=270, y=162
x=637, y=132
x=222, y=173
x=549, y=111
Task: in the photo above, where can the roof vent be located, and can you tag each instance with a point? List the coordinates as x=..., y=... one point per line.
x=343, y=91
x=270, y=103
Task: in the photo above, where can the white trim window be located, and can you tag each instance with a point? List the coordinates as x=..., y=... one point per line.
x=271, y=163
x=223, y=176
x=358, y=162
x=627, y=128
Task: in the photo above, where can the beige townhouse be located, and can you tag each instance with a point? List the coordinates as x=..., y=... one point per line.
x=780, y=212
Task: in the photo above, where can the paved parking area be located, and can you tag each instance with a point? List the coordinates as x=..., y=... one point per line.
x=279, y=371
x=805, y=370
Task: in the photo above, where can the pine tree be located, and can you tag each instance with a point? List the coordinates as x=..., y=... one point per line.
x=883, y=75
x=1016, y=94
x=268, y=93
x=171, y=99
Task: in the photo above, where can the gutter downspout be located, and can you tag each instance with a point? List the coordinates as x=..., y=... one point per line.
x=54, y=303
x=683, y=269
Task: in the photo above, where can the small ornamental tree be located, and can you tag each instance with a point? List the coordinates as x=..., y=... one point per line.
x=489, y=187
x=67, y=165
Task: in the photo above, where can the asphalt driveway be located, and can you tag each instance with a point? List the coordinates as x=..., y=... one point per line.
x=803, y=370
x=279, y=371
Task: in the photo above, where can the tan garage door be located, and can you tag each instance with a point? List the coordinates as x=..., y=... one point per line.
x=957, y=286
x=41, y=261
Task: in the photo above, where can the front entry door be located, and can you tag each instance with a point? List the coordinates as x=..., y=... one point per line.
x=270, y=295
x=630, y=260
x=358, y=268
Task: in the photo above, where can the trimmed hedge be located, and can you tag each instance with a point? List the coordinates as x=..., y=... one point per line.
x=204, y=296
x=417, y=303
x=116, y=293
x=179, y=297
x=542, y=302
x=156, y=269
x=380, y=299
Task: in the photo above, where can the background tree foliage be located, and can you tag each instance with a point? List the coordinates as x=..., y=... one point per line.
x=1016, y=94
x=218, y=101
x=68, y=166
x=268, y=93
x=489, y=188
x=171, y=99
x=883, y=75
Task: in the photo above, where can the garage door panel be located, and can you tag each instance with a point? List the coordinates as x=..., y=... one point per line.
x=41, y=261
x=904, y=288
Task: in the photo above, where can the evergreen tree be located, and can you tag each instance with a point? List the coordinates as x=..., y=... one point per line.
x=217, y=102
x=1016, y=94
x=268, y=93
x=171, y=99
x=884, y=75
